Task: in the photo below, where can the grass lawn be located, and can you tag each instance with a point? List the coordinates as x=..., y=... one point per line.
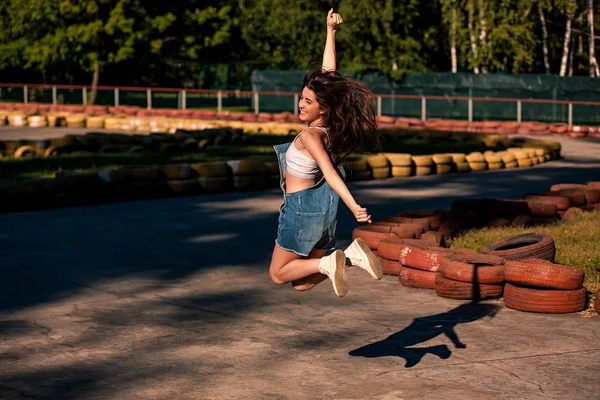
x=577, y=243
x=258, y=147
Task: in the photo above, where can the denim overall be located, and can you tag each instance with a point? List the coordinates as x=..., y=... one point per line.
x=307, y=218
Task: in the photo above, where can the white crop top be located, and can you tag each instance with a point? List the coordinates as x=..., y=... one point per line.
x=300, y=165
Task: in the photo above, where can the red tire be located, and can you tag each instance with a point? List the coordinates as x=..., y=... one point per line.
x=544, y=300
x=421, y=257
x=373, y=234
x=541, y=208
x=576, y=196
x=543, y=275
x=390, y=248
x=416, y=278
x=390, y=267
x=519, y=247
x=562, y=202
x=430, y=219
x=434, y=238
x=465, y=291
x=457, y=270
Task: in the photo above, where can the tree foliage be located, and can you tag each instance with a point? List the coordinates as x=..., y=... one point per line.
x=202, y=42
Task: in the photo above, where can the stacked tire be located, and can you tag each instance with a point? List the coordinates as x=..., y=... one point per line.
x=357, y=169
x=401, y=164
x=470, y=276
x=380, y=168
x=180, y=179
x=419, y=265
x=476, y=161
x=248, y=174
x=540, y=286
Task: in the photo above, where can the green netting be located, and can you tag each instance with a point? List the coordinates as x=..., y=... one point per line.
x=458, y=85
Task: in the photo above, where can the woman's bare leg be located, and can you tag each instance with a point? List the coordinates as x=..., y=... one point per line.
x=312, y=280
x=287, y=266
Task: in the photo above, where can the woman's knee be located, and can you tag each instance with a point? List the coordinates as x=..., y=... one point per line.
x=275, y=278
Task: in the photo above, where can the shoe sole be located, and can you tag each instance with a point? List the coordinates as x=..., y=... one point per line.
x=340, y=278
x=375, y=268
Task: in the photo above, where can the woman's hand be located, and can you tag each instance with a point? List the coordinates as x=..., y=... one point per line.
x=333, y=20
x=361, y=215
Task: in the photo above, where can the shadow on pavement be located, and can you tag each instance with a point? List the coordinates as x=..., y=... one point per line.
x=424, y=329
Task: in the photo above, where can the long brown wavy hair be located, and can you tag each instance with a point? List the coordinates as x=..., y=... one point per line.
x=348, y=111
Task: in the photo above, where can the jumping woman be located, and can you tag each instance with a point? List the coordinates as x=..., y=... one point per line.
x=339, y=113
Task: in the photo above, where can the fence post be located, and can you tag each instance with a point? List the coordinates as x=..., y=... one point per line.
x=470, y=110
x=256, y=108
x=184, y=99
x=296, y=97
x=149, y=99
x=84, y=95
x=25, y=96
x=519, y=111
x=570, y=115
x=379, y=106
x=423, y=108
x=54, y=97
x=219, y=101
x=116, y=97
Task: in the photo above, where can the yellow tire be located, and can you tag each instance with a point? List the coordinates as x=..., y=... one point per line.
x=458, y=157
x=423, y=170
x=463, y=167
x=211, y=170
x=524, y=162
x=478, y=165
x=442, y=158
x=381, y=173
x=24, y=151
x=176, y=171
x=399, y=159
x=398, y=172
x=443, y=168
x=475, y=157
x=377, y=161
x=247, y=167
x=423, y=161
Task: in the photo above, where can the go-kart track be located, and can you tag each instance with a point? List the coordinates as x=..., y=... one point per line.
x=171, y=299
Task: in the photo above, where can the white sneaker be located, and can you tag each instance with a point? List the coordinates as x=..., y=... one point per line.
x=360, y=255
x=334, y=266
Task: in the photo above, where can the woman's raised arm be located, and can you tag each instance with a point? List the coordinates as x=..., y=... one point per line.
x=333, y=20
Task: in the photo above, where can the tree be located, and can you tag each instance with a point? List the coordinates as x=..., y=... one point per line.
x=283, y=33
x=453, y=20
x=594, y=72
x=383, y=36
x=569, y=6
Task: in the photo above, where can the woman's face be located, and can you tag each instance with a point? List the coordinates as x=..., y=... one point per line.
x=310, y=110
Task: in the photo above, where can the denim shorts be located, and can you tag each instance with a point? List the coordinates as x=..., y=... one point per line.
x=307, y=218
x=304, y=225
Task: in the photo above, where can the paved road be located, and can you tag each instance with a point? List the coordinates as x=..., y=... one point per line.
x=170, y=298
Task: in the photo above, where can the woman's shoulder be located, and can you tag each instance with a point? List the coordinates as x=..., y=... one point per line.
x=315, y=132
